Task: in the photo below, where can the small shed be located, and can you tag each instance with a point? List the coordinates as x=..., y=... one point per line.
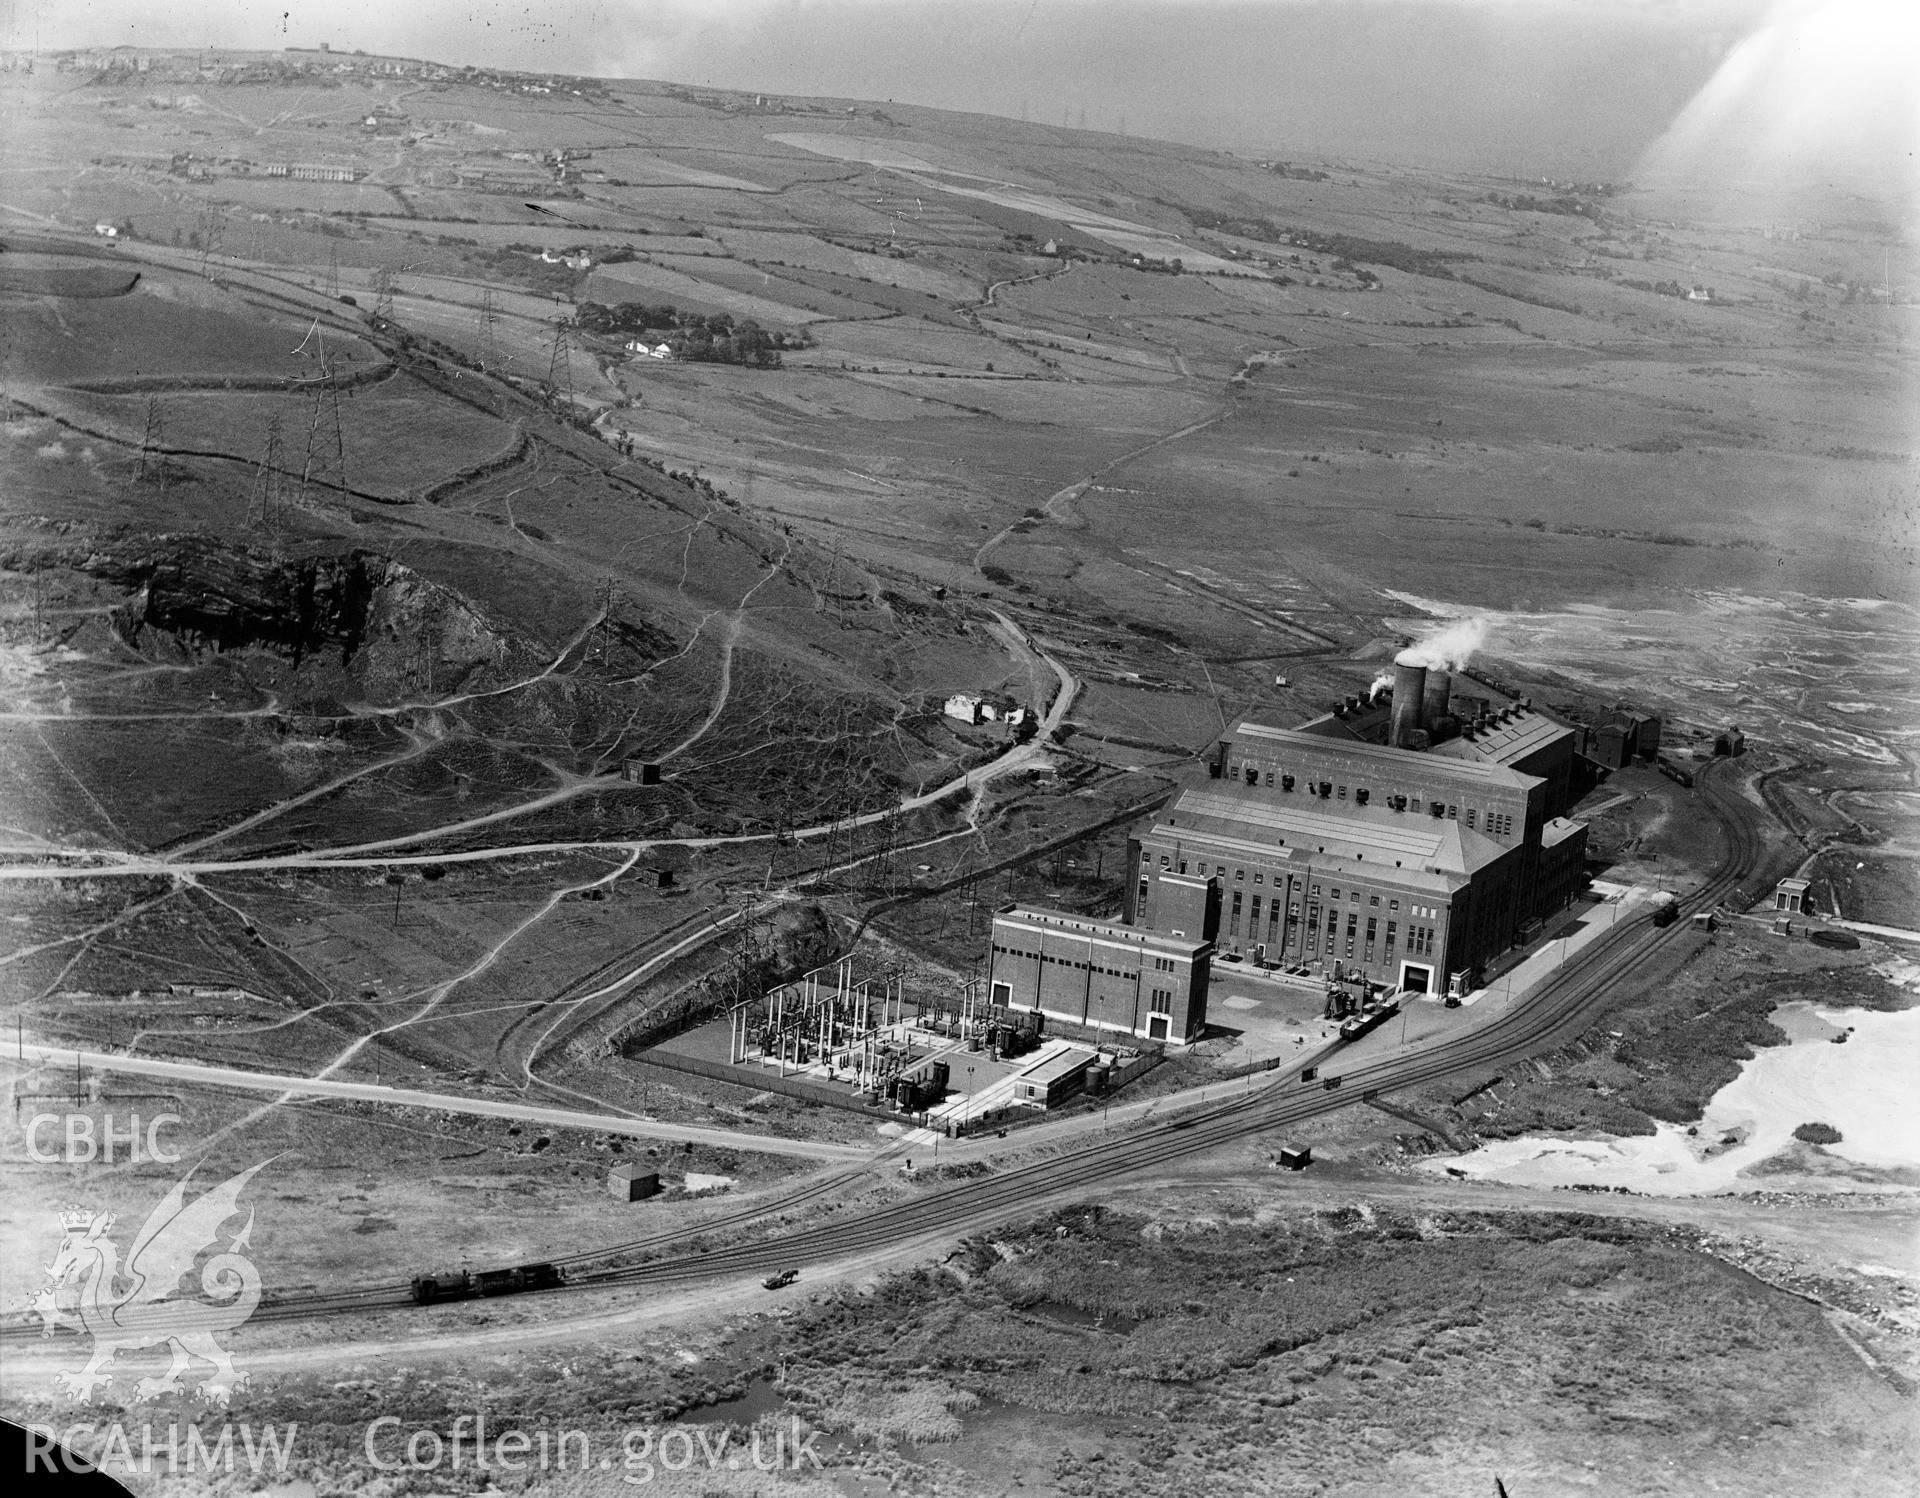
x=1055, y=1079
x=640, y=771
x=1790, y=896
x=1296, y=1156
x=632, y=1183
x=964, y=707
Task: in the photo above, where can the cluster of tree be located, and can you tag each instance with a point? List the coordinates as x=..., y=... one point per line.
x=1401, y=257
x=1659, y=288
x=1523, y=203
x=698, y=337
x=1346, y=247
x=1160, y=267
x=1296, y=173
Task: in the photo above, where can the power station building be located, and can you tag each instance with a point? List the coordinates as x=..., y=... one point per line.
x=1410, y=837
x=1103, y=975
x=1395, y=837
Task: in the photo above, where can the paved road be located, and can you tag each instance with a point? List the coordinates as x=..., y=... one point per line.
x=409, y=1097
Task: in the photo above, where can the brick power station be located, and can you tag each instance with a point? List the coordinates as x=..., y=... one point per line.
x=1410, y=838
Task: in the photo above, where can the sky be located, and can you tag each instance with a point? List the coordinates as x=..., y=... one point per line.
x=1583, y=88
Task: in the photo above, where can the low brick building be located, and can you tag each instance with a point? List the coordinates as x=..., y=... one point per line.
x=1101, y=974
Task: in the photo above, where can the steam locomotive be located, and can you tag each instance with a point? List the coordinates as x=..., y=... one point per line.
x=466, y=1284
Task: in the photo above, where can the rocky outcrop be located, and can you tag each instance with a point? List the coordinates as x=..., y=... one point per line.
x=230, y=598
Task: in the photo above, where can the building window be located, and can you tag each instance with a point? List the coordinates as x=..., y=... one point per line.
x=1393, y=904
x=1343, y=793
x=1239, y=875
x=1269, y=777
x=1470, y=815
x=1258, y=877
x=1336, y=892
x=1253, y=918
x=1253, y=775
x=1373, y=899
x=1286, y=782
x=1233, y=923
x=1165, y=861
x=1392, y=927
x=1143, y=893
x=1316, y=890
x=1453, y=813
x=1161, y=1001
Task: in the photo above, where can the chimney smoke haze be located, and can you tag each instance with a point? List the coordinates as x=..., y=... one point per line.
x=1448, y=648
x=1380, y=684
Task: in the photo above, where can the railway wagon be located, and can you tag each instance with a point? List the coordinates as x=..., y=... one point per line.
x=465, y=1284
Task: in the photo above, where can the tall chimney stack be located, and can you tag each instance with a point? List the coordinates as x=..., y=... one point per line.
x=1409, y=683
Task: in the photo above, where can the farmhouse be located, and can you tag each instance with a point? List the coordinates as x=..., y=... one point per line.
x=965, y=707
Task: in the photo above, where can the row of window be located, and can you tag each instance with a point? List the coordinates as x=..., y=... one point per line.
x=1498, y=824
x=1239, y=875
x=1165, y=963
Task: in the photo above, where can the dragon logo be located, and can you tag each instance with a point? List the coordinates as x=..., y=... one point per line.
x=125, y=1307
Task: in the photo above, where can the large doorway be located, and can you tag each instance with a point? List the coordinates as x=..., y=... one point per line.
x=1003, y=994
x=1416, y=977
x=1157, y=1027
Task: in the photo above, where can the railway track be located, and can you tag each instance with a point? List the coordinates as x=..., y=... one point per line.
x=1560, y=1008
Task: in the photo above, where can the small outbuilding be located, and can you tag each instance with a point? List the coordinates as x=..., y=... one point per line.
x=966, y=708
x=632, y=1183
x=1296, y=1156
x=1054, y=1079
x=1790, y=896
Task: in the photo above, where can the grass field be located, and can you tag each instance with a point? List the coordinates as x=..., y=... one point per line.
x=1204, y=495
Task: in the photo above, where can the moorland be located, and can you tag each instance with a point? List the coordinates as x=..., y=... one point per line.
x=485, y=555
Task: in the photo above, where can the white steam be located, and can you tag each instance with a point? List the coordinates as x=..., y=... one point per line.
x=1448, y=648
x=1380, y=684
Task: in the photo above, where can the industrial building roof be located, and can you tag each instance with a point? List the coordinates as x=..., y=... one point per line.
x=1060, y=1065
x=1320, y=858
x=1389, y=759
x=1559, y=830
x=1504, y=743
x=1085, y=928
x=1373, y=833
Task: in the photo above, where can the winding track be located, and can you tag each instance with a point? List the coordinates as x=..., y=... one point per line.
x=1560, y=1008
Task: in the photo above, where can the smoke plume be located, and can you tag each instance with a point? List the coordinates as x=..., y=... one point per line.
x=1380, y=684
x=1447, y=648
